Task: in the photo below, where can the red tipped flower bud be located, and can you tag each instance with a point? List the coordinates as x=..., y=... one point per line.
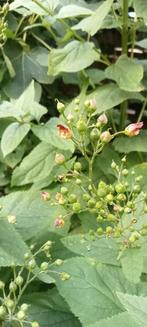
x=106, y=137
x=133, y=129
x=64, y=132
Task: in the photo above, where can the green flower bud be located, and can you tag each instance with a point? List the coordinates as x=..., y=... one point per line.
x=118, y=232
x=91, y=203
x=81, y=126
x=136, y=188
x=111, y=217
x=113, y=165
x=77, y=166
x=3, y=312
x=31, y=264
x=95, y=134
x=99, y=204
x=99, y=219
x=106, y=137
x=134, y=237
x=125, y=172
x=12, y=287
x=21, y=315
x=60, y=107
x=77, y=101
x=109, y=230
x=109, y=198
x=59, y=159
x=35, y=324
x=9, y=303
x=101, y=192
x=127, y=210
x=58, y=262
x=100, y=231
x=72, y=198
x=78, y=181
x=24, y=307
x=120, y=188
x=76, y=207
x=130, y=204
x=44, y=266
x=26, y=256
x=64, y=190
x=143, y=232
x=121, y=197
x=86, y=197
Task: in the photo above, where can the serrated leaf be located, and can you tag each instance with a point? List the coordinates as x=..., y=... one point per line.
x=49, y=309
x=12, y=247
x=12, y=137
x=73, y=11
x=93, y=23
x=91, y=290
x=125, y=144
x=27, y=67
x=33, y=215
x=121, y=320
x=102, y=249
x=49, y=134
x=141, y=9
x=75, y=56
x=132, y=264
x=127, y=82
x=136, y=306
x=36, y=166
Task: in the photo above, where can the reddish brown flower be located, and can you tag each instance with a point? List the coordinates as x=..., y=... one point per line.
x=64, y=132
x=133, y=129
x=45, y=195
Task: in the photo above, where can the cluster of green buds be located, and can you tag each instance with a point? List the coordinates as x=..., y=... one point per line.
x=3, y=23
x=11, y=294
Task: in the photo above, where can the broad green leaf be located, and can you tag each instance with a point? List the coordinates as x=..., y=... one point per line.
x=12, y=247
x=49, y=309
x=33, y=8
x=27, y=68
x=140, y=169
x=109, y=96
x=75, y=56
x=142, y=43
x=102, y=249
x=93, y=23
x=130, y=81
x=125, y=144
x=132, y=264
x=73, y=11
x=49, y=134
x=136, y=307
x=141, y=9
x=12, y=137
x=36, y=166
x=121, y=320
x=91, y=289
x=33, y=215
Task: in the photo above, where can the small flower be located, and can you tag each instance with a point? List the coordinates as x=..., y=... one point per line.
x=59, y=159
x=45, y=195
x=11, y=219
x=106, y=137
x=64, y=276
x=92, y=104
x=60, y=107
x=133, y=129
x=103, y=120
x=64, y=132
x=59, y=222
x=59, y=198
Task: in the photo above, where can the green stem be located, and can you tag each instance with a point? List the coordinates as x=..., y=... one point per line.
x=43, y=7
x=142, y=110
x=124, y=105
x=41, y=41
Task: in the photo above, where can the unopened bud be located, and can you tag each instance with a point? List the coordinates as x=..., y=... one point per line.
x=59, y=159
x=106, y=137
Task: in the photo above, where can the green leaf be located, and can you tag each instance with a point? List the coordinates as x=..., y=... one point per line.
x=73, y=11
x=142, y=43
x=127, y=82
x=12, y=247
x=125, y=144
x=102, y=249
x=90, y=290
x=110, y=95
x=93, y=23
x=141, y=9
x=12, y=137
x=33, y=215
x=140, y=169
x=136, y=306
x=36, y=166
x=49, y=134
x=121, y=320
x=27, y=67
x=132, y=264
x=75, y=56
x=49, y=309
x=33, y=8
